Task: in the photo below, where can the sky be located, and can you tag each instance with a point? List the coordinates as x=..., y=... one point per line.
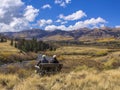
x=18, y=15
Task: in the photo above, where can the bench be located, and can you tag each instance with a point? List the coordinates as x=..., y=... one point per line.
x=48, y=68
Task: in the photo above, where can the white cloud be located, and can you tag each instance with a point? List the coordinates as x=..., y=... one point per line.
x=10, y=3
x=94, y=21
x=81, y=24
x=58, y=21
x=102, y=25
x=19, y=24
x=118, y=26
x=15, y=16
x=46, y=6
x=4, y=27
x=62, y=3
x=30, y=13
x=14, y=26
x=67, y=1
x=10, y=9
x=90, y=23
x=64, y=22
x=2, y=13
x=53, y=27
x=74, y=16
x=44, y=22
x=61, y=21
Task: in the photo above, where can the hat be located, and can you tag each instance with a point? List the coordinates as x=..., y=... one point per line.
x=54, y=56
x=43, y=55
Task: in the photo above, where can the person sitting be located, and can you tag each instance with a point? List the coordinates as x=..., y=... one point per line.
x=43, y=60
x=54, y=59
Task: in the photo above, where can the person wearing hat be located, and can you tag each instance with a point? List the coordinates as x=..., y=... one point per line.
x=54, y=59
x=43, y=60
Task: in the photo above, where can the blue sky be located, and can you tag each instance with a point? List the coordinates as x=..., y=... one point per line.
x=17, y=15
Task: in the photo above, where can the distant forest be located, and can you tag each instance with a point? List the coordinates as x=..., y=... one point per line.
x=32, y=45
x=3, y=38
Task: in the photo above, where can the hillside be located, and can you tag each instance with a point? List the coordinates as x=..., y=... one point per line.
x=83, y=34
x=57, y=38
x=7, y=49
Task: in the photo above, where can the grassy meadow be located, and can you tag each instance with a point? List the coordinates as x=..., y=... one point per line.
x=11, y=54
x=85, y=68
x=7, y=49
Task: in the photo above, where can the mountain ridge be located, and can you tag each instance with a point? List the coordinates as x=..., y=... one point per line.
x=56, y=35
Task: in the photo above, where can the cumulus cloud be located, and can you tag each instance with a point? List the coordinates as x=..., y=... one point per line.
x=53, y=27
x=44, y=22
x=74, y=16
x=2, y=13
x=118, y=26
x=10, y=9
x=81, y=24
x=61, y=21
x=15, y=16
x=64, y=22
x=62, y=3
x=30, y=13
x=88, y=23
x=19, y=24
x=46, y=6
x=58, y=21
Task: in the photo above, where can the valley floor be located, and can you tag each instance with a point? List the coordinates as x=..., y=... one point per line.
x=85, y=68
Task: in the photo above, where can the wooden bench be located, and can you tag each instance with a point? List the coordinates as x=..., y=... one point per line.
x=48, y=68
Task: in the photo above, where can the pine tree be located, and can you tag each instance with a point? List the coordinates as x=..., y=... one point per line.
x=2, y=40
x=15, y=45
x=11, y=42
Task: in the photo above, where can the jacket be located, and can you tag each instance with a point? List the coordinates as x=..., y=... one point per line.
x=54, y=60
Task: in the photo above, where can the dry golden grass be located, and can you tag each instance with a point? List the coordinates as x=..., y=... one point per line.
x=106, y=39
x=58, y=37
x=94, y=57
x=81, y=80
x=6, y=49
x=80, y=63
x=8, y=81
x=72, y=50
x=80, y=50
x=10, y=54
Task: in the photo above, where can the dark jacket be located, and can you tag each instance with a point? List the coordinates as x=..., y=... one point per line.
x=54, y=60
x=43, y=60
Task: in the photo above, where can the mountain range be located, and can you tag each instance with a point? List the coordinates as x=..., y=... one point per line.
x=83, y=34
